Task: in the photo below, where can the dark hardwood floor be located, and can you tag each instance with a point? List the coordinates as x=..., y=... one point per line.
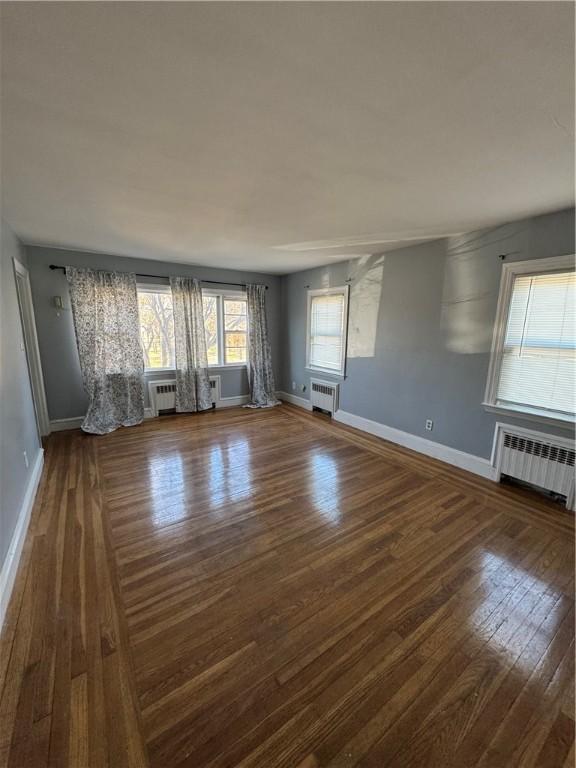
x=266, y=589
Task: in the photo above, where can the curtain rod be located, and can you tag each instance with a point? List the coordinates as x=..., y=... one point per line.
x=166, y=277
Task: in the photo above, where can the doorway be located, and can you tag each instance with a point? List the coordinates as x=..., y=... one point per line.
x=31, y=348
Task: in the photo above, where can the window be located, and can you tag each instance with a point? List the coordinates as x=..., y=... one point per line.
x=211, y=328
x=533, y=361
x=225, y=325
x=156, y=326
x=327, y=325
x=235, y=330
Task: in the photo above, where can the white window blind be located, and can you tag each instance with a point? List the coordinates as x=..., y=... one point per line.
x=538, y=359
x=327, y=331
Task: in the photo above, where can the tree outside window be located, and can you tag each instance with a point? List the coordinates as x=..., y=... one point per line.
x=225, y=324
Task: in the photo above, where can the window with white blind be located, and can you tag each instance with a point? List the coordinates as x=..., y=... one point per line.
x=533, y=364
x=327, y=326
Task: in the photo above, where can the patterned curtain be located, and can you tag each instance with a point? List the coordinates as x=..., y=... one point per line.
x=105, y=311
x=192, y=381
x=260, y=374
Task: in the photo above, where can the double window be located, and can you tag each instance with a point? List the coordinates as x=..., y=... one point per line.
x=533, y=363
x=225, y=324
x=327, y=330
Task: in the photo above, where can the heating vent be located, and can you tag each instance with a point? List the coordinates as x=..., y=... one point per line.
x=324, y=395
x=543, y=450
x=536, y=458
x=215, y=389
x=162, y=394
x=165, y=389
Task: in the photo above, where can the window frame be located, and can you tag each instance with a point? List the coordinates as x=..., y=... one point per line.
x=233, y=296
x=153, y=288
x=218, y=293
x=343, y=290
x=510, y=271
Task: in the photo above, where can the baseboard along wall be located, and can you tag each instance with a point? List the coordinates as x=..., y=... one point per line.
x=12, y=559
x=59, y=425
x=467, y=461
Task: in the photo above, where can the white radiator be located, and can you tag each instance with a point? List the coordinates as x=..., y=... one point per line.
x=534, y=457
x=324, y=395
x=162, y=394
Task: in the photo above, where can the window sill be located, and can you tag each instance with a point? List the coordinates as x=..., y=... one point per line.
x=325, y=372
x=531, y=414
x=151, y=371
x=227, y=367
x=230, y=366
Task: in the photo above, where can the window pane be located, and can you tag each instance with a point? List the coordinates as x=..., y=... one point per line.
x=236, y=322
x=235, y=347
x=327, y=331
x=235, y=306
x=156, y=329
x=539, y=356
x=235, y=328
x=235, y=354
x=211, y=327
x=235, y=339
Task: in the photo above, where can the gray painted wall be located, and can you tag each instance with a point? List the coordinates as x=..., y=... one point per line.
x=60, y=364
x=420, y=329
x=18, y=432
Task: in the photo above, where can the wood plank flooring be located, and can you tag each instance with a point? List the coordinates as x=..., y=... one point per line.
x=269, y=590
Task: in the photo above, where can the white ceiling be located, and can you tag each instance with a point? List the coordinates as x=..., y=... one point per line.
x=279, y=136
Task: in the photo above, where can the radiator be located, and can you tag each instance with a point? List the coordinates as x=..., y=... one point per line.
x=162, y=394
x=542, y=460
x=324, y=395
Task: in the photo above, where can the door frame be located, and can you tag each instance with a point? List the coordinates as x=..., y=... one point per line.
x=32, y=349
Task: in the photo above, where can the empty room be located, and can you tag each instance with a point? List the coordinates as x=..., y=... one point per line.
x=287, y=384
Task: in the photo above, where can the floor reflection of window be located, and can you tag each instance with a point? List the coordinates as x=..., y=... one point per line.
x=230, y=472
x=324, y=486
x=530, y=604
x=167, y=489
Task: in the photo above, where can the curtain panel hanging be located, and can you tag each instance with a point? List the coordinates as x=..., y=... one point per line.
x=191, y=358
x=260, y=373
x=105, y=312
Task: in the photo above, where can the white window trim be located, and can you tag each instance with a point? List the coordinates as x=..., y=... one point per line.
x=223, y=294
x=344, y=290
x=509, y=272
x=152, y=288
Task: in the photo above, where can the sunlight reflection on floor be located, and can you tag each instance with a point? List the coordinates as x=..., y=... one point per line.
x=526, y=620
x=230, y=472
x=166, y=478
x=324, y=486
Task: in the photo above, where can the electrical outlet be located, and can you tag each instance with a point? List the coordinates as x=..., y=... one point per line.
x=293, y=386
x=25, y=459
x=429, y=425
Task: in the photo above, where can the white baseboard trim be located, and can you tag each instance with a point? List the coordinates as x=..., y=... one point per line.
x=301, y=402
x=467, y=461
x=12, y=559
x=60, y=425
x=231, y=402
